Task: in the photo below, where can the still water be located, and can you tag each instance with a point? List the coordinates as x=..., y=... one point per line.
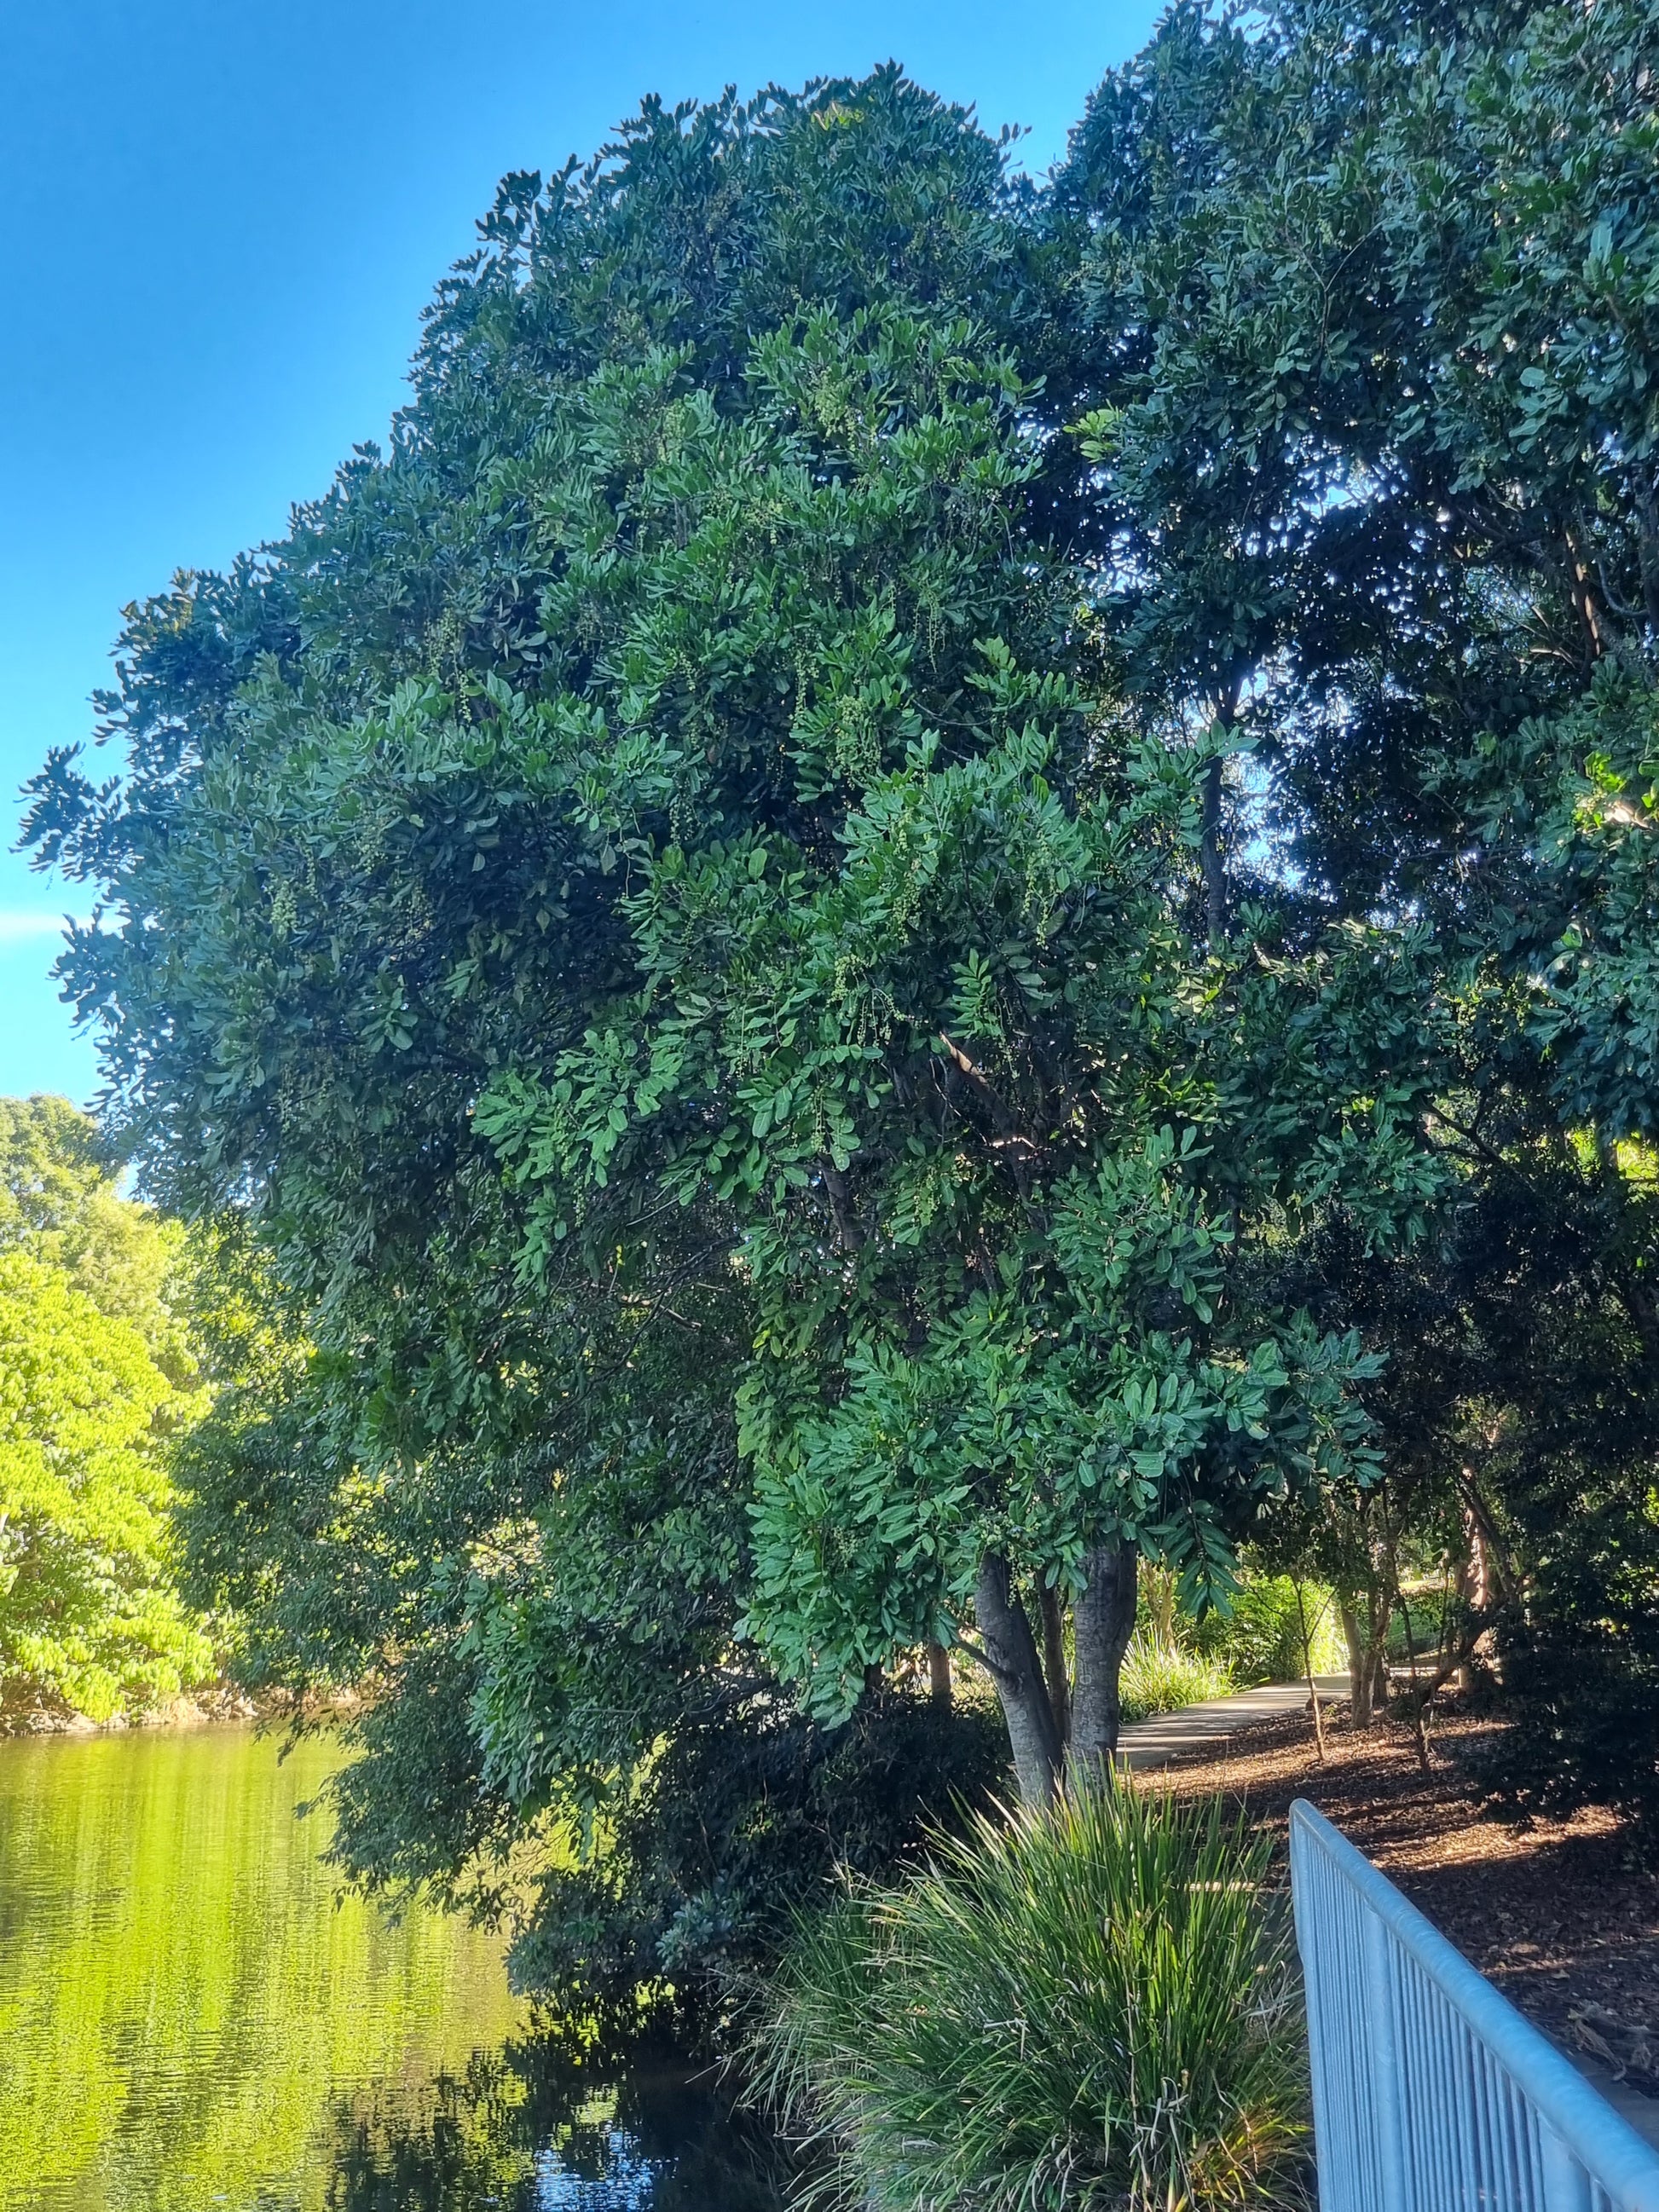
x=192, y=2020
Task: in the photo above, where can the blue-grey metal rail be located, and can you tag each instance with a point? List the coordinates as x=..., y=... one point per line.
x=1431, y=2092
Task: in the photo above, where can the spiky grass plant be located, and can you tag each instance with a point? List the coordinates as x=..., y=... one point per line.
x=1088, y=2007
x=1161, y=1677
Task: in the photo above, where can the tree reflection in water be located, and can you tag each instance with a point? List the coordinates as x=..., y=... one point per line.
x=549, y=2124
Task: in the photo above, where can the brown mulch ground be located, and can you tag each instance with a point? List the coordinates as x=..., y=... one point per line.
x=1558, y=1916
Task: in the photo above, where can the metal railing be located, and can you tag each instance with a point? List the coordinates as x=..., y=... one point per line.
x=1431, y=2092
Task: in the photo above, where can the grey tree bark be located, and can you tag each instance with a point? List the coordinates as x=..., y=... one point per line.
x=1215, y=872
x=1011, y=1653
x=1368, y=1665
x=1103, y=1621
x=1054, y=1663
x=1211, y=860
x=1359, y=1680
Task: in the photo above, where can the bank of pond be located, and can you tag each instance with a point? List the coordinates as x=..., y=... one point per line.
x=191, y=2016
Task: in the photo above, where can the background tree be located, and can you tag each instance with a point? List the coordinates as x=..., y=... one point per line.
x=1362, y=354
x=96, y=1375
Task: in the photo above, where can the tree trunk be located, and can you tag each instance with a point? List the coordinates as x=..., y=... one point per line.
x=939, y=1676
x=1215, y=872
x=1158, y=1589
x=1011, y=1653
x=1210, y=857
x=1478, y=1580
x=1308, y=1669
x=1053, y=1663
x=1360, y=1671
x=1103, y=1621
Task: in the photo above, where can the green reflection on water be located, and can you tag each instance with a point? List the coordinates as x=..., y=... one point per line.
x=189, y=2017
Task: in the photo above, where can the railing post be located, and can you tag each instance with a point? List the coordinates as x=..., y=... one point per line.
x=1566, y=2183
x=1387, y=2080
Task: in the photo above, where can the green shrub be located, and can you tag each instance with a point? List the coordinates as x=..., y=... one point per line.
x=1579, y=1671
x=1161, y=1677
x=1260, y=1639
x=739, y=1822
x=1415, y=1626
x=1086, y=2007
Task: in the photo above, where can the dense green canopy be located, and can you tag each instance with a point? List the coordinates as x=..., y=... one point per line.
x=847, y=938
x=1377, y=433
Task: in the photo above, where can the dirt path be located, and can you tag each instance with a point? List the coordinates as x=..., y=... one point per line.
x=1561, y=1917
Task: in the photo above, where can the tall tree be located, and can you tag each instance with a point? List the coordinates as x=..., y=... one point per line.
x=922, y=825
x=657, y=878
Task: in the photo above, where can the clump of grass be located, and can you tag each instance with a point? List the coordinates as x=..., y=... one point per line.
x=1161, y=1676
x=1083, y=2008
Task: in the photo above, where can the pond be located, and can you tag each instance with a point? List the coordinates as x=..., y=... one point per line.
x=193, y=2020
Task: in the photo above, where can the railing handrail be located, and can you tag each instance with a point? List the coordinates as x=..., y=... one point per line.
x=1600, y=2137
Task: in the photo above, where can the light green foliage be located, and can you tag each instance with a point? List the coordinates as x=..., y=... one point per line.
x=94, y=1376
x=1092, y=2007
x=1161, y=1676
x=59, y=1201
x=1174, y=1660
x=1259, y=1639
x=50, y=1169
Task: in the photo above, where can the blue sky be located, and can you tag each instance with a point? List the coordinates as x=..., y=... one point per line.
x=218, y=224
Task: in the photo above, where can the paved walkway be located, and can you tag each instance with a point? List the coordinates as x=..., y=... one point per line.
x=1154, y=1743
x=1633, y=2105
